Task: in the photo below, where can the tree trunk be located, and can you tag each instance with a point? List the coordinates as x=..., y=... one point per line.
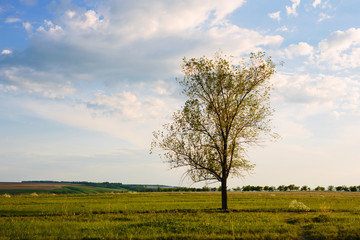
x=224, y=194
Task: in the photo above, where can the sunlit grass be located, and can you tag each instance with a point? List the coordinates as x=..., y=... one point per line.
x=332, y=215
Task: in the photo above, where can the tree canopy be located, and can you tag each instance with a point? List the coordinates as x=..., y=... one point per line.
x=227, y=109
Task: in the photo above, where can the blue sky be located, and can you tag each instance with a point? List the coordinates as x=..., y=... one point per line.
x=84, y=83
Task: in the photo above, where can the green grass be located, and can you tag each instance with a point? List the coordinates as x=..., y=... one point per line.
x=332, y=215
x=64, y=190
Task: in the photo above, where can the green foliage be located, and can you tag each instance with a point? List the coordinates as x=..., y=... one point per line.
x=227, y=109
x=305, y=188
x=319, y=188
x=342, y=188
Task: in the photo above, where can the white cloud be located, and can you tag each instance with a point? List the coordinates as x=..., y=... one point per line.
x=124, y=105
x=70, y=13
x=282, y=29
x=275, y=16
x=134, y=132
x=341, y=49
x=138, y=41
x=89, y=20
x=12, y=20
x=323, y=17
x=8, y=88
x=147, y=19
x=36, y=82
x=28, y=27
x=6, y=52
x=146, y=102
x=316, y=3
x=316, y=94
x=50, y=27
x=112, y=49
x=291, y=10
x=300, y=49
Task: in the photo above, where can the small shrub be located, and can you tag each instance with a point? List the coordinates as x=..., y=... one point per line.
x=353, y=188
x=296, y=206
x=34, y=194
x=319, y=188
x=305, y=188
x=7, y=195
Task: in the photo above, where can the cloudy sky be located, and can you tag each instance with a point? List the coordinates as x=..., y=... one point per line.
x=84, y=83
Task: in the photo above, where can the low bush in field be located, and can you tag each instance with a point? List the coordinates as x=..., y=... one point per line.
x=296, y=206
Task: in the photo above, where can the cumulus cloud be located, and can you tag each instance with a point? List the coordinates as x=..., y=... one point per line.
x=138, y=41
x=28, y=27
x=300, y=49
x=341, y=49
x=6, y=52
x=275, y=16
x=107, y=68
x=318, y=93
x=291, y=10
x=316, y=3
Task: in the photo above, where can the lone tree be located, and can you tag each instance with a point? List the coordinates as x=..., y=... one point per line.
x=227, y=110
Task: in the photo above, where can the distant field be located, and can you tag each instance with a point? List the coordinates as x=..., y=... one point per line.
x=33, y=186
x=252, y=215
x=57, y=188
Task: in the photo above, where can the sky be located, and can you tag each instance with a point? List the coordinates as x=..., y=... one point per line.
x=83, y=84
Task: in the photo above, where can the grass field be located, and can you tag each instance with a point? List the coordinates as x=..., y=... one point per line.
x=57, y=188
x=264, y=215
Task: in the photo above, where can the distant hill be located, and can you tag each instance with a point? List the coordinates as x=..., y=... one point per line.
x=53, y=187
x=131, y=187
x=83, y=187
x=73, y=187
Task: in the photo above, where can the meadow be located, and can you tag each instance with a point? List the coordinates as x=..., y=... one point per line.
x=252, y=215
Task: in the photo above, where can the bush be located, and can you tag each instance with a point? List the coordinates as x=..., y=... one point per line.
x=353, y=188
x=296, y=206
x=305, y=188
x=339, y=188
x=318, y=188
x=292, y=187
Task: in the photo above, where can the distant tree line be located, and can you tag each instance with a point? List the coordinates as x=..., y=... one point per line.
x=164, y=188
x=249, y=188
x=292, y=187
x=180, y=189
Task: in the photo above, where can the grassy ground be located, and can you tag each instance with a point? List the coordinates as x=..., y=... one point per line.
x=57, y=188
x=332, y=215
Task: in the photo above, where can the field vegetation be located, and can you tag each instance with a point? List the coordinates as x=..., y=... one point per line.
x=132, y=215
